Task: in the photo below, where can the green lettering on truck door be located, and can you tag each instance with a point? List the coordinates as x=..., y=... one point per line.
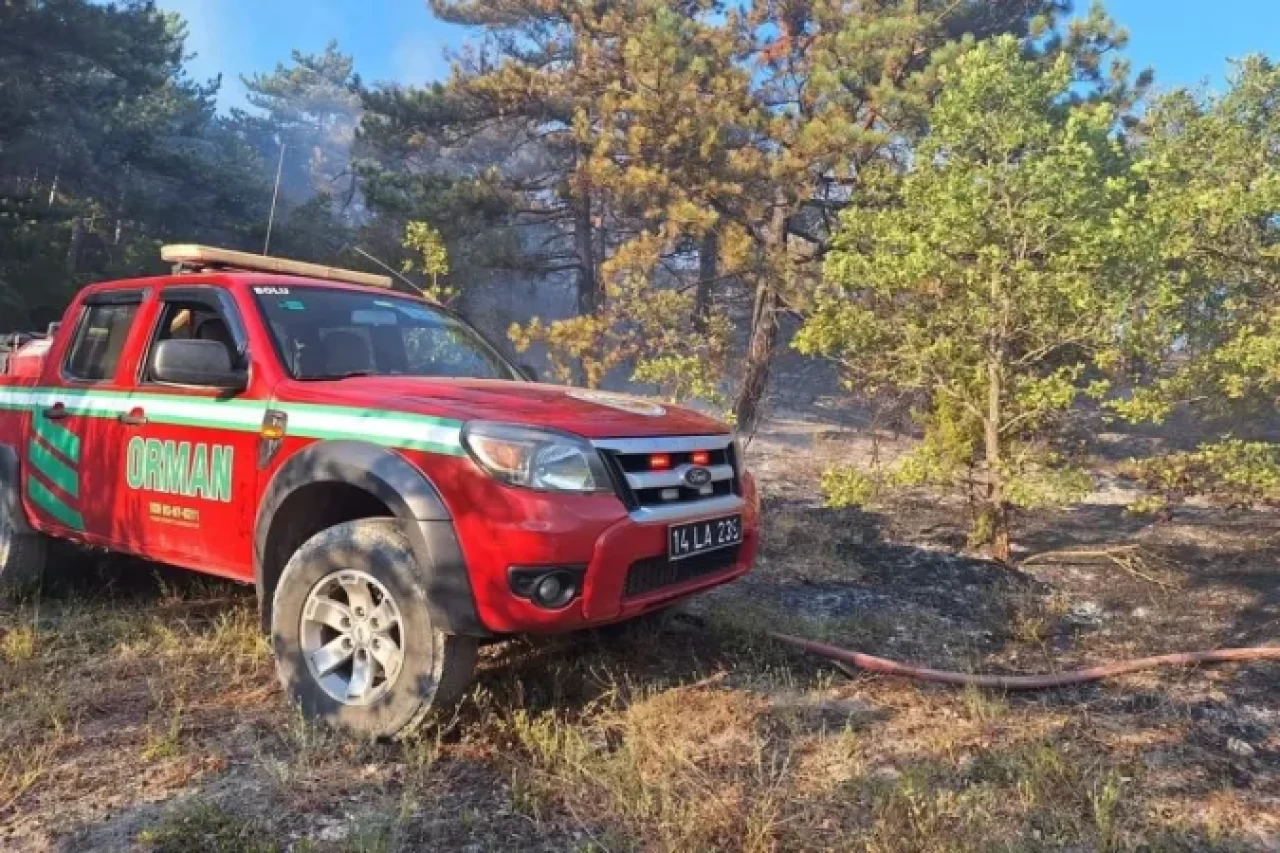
x=220, y=469
x=176, y=459
x=181, y=468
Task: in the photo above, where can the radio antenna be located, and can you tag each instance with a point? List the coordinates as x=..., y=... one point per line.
x=275, y=194
x=387, y=267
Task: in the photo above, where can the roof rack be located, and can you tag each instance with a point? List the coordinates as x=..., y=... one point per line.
x=189, y=258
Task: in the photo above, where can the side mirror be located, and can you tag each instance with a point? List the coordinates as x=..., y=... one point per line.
x=203, y=363
x=528, y=372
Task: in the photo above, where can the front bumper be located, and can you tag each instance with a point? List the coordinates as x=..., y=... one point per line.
x=609, y=543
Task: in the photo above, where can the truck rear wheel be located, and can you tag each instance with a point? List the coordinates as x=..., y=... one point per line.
x=354, y=643
x=23, y=551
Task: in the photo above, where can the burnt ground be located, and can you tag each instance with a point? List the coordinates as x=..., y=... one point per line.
x=139, y=710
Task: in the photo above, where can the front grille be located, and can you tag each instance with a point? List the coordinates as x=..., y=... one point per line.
x=655, y=497
x=652, y=573
x=636, y=463
x=639, y=487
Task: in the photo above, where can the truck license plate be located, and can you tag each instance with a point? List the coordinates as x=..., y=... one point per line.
x=699, y=537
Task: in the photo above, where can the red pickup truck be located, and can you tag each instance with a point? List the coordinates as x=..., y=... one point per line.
x=396, y=490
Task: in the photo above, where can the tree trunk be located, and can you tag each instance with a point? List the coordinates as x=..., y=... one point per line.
x=73, y=249
x=996, y=511
x=601, y=237
x=708, y=265
x=584, y=241
x=764, y=339
x=764, y=326
x=120, y=210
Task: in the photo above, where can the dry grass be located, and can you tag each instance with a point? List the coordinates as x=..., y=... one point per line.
x=208, y=829
x=149, y=719
x=93, y=689
x=689, y=769
x=763, y=767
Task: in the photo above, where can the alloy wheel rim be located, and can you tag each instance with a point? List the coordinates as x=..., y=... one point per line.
x=352, y=637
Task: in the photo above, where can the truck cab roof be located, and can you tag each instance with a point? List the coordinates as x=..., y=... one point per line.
x=236, y=279
x=196, y=264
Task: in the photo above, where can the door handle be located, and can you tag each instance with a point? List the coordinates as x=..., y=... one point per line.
x=134, y=417
x=56, y=412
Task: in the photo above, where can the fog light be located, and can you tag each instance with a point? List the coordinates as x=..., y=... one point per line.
x=549, y=587
x=552, y=591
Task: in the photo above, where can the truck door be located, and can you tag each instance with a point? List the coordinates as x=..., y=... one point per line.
x=74, y=454
x=191, y=452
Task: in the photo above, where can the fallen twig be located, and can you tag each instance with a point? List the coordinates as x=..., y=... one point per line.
x=1044, y=556
x=1129, y=558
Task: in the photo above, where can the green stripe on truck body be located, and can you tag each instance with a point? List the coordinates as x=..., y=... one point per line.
x=58, y=437
x=42, y=497
x=53, y=468
x=389, y=429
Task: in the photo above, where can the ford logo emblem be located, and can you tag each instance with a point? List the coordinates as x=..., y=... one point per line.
x=697, y=477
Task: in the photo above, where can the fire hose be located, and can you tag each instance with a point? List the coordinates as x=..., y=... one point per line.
x=871, y=663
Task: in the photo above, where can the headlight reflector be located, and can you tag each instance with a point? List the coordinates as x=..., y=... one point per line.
x=535, y=458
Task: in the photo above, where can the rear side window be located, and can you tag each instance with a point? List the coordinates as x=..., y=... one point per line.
x=100, y=338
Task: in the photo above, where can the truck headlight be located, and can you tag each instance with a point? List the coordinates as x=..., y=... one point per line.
x=535, y=458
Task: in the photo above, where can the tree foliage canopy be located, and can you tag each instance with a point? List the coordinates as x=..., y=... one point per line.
x=969, y=204
x=992, y=279
x=106, y=150
x=716, y=143
x=1213, y=185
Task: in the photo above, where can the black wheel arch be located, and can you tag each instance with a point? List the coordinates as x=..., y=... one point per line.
x=367, y=480
x=8, y=465
x=10, y=488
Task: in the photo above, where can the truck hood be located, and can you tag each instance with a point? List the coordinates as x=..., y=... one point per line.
x=593, y=414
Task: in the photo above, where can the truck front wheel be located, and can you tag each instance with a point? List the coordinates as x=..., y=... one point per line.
x=23, y=552
x=354, y=643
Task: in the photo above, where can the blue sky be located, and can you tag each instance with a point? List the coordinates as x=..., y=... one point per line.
x=1186, y=41
x=390, y=39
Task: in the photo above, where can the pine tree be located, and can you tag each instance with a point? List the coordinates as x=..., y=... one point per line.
x=528, y=91
x=106, y=148
x=312, y=108
x=842, y=89
x=738, y=133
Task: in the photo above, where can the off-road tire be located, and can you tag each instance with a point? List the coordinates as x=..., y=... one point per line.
x=23, y=552
x=436, y=668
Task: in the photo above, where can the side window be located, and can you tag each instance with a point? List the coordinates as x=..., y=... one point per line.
x=99, y=341
x=191, y=320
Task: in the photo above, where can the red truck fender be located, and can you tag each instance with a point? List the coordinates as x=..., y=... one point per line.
x=330, y=482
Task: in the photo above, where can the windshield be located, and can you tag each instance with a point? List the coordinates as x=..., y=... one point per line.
x=324, y=333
